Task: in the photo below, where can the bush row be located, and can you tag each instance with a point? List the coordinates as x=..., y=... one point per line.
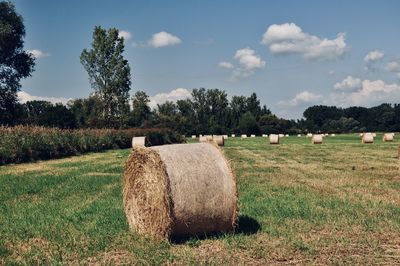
x=27, y=143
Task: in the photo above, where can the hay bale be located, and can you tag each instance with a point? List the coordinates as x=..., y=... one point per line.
x=252, y=136
x=309, y=135
x=193, y=136
x=219, y=140
x=374, y=135
x=203, y=139
x=264, y=135
x=281, y=135
x=273, y=139
x=387, y=137
x=233, y=135
x=287, y=135
x=209, y=137
x=179, y=190
x=333, y=135
x=138, y=142
x=225, y=136
x=299, y=135
x=367, y=138
x=243, y=136
x=316, y=139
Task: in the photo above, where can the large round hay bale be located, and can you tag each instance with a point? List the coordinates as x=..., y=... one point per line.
x=273, y=139
x=281, y=135
x=316, y=139
x=299, y=135
x=193, y=136
x=309, y=135
x=219, y=140
x=209, y=137
x=233, y=135
x=243, y=136
x=387, y=137
x=178, y=190
x=252, y=136
x=367, y=138
x=138, y=142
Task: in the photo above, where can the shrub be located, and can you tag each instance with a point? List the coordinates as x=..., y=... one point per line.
x=26, y=143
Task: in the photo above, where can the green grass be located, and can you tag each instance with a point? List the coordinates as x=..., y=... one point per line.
x=335, y=203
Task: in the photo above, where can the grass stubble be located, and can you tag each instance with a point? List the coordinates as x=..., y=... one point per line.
x=335, y=203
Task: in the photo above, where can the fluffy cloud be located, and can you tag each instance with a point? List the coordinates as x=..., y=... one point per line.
x=174, y=95
x=370, y=93
x=373, y=56
x=393, y=66
x=226, y=65
x=162, y=39
x=38, y=54
x=302, y=98
x=247, y=63
x=25, y=97
x=348, y=83
x=125, y=34
x=288, y=38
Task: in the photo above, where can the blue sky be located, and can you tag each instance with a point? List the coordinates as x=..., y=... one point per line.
x=292, y=54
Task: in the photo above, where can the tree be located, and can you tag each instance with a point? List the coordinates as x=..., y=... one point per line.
x=140, y=109
x=109, y=74
x=15, y=63
x=248, y=124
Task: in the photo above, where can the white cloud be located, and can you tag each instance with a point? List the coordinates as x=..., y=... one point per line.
x=373, y=56
x=38, y=54
x=162, y=39
x=174, y=95
x=25, y=97
x=393, y=66
x=370, y=93
x=348, y=83
x=226, y=65
x=248, y=61
x=125, y=34
x=288, y=38
x=304, y=97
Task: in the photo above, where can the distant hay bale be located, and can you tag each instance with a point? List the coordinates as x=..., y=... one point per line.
x=368, y=138
x=317, y=139
x=309, y=135
x=209, y=137
x=193, y=136
x=333, y=135
x=225, y=136
x=138, y=142
x=264, y=135
x=374, y=135
x=281, y=135
x=233, y=135
x=243, y=136
x=179, y=190
x=387, y=137
x=361, y=135
x=287, y=135
x=298, y=135
x=252, y=136
x=219, y=140
x=273, y=139
x=203, y=139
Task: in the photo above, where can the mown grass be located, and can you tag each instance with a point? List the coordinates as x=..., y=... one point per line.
x=335, y=203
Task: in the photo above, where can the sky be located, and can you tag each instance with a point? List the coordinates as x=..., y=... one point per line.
x=293, y=54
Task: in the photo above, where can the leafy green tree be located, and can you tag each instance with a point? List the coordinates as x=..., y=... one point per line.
x=248, y=124
x=15, y=63
x=140, y=109
x=109, y=74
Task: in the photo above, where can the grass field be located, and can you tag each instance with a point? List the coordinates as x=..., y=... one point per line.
x=335, y=203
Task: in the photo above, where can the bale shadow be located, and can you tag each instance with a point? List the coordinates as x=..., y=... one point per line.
x=246, y=225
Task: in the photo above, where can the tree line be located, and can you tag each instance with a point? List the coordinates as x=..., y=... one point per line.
x=207, y=111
